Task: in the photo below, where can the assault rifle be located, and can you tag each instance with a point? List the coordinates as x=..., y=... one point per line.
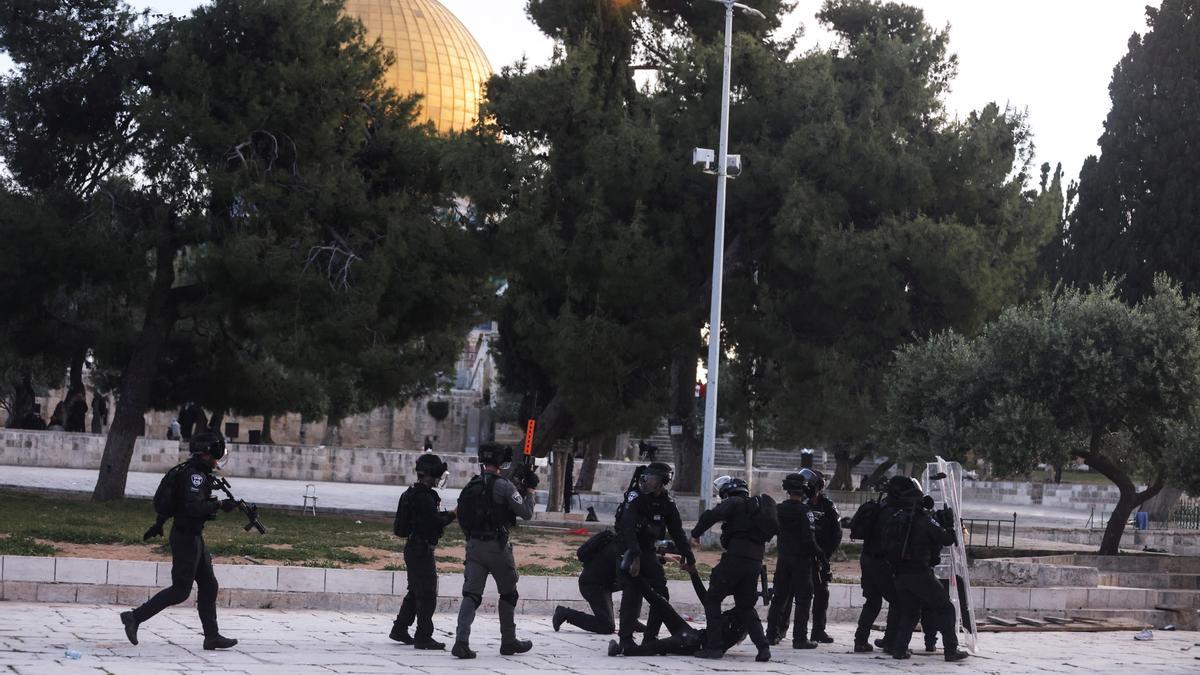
x=524, y=475
x=767, y=593
x=250, y=510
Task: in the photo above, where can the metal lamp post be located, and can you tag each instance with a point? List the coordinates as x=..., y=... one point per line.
x=701, y=155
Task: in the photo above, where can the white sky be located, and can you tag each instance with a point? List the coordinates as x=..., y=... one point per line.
x=1051, y=57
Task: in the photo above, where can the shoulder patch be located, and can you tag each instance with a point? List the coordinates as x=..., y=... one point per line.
x=197, y=479
x=811, y=518
x=517, y=497
x=632, y=496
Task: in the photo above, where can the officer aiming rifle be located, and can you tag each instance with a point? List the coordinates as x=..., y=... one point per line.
x=247, y=509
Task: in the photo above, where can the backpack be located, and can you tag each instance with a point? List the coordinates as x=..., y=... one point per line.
x=404, y=525
x=764, y=518
x=863, y=522
x=895, y=537
x=166, y=497
x=476, y=506
x=594, y=546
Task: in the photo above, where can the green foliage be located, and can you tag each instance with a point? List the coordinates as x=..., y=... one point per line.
x=1073, y=374
x=24, y=545
x=1137, y=211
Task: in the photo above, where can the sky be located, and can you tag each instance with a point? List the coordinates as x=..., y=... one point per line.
x=1052, y=58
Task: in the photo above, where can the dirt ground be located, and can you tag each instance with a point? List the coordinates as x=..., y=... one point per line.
x=549, y=552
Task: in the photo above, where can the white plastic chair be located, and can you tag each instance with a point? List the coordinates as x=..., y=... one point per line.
x=310, y=495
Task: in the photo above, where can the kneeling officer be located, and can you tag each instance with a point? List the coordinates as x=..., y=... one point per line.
x=186, y=495
x=420, y=519
x=487, y=507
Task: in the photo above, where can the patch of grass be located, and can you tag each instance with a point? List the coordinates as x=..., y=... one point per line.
x=23, y=545
x=391, y=567
x=447, y=559
x=321, y=563
x=673, y=572
x=77, y=535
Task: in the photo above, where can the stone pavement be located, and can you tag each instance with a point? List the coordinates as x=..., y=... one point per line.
x=34, y=637
x=372, y=498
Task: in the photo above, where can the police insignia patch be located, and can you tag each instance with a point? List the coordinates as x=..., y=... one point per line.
x=197, y=479
x=632, y=496
x=517, y=498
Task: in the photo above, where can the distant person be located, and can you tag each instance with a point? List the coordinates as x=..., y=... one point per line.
x=99, y=413
x=427, y=446
x=58, y=417
x=77, y=412
x=187, y=420
x=33, y=419
x=173, y=430
x=647, y=451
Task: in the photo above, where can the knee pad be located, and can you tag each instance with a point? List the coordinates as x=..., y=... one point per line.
x=475, y=598
x=510, y=598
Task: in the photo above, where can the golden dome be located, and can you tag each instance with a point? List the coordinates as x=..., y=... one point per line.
x=435, y=56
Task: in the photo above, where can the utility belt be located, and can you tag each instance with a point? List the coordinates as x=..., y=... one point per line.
x=488, y=536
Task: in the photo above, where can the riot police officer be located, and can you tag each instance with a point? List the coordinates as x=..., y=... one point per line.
x=828, y=528
x=487, y=507
x=420, y=519
x=914, y=537
x=648, y=516
x=597, y=582
x=738, y=571
x=877, y=582
x=193, y=505
x=798, y=553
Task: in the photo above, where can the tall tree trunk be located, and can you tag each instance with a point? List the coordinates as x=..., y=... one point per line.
x=133, y=394
x=879, y=472
x=218, y=419
x=333, y=432
x=265, y=438
x=1130, y=497
x=1160, y=506
x=558, y=479
x=844, y=463
x=78, y=356
x=553, y=424
x=591, y=461
x=687, y=446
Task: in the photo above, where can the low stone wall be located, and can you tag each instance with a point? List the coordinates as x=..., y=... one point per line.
x=1175, y=542
x=1079, y=497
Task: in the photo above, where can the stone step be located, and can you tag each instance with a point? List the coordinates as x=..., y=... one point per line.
x=1167, y=581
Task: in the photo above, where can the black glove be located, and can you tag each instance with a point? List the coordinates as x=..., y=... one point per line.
x=228, y=505
x=154, y=531
x=531, y=480
x=826, y=574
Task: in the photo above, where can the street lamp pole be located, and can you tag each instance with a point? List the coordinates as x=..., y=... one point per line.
x=718, y=266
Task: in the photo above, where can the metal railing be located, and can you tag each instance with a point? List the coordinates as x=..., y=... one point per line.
x=848, y=501
x=1185, y=517
x=991, y=531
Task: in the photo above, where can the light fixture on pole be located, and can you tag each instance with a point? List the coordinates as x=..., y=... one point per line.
x=723, y=172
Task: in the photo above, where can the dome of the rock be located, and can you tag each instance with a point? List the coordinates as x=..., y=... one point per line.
x=435, y=56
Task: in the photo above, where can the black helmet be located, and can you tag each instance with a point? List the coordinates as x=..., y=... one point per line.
x=814, y=482
x=207, y=442
x=660, y=469
x=494, y=454
x=907, y=490
x=430, y=464
x=728, y=487
x=794, y=483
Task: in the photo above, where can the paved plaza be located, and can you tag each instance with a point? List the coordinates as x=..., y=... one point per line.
x=35, y=637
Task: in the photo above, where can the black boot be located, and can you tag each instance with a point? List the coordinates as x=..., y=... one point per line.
x=462, y=650
x=956, y=655
x=131, y=626
x=429, y=643
x=212, y=642
x=803, y=644
x=560, y=615
x=515, y=647
x=400, y=634
x=764, y=654
x=863, y=647
x=822, y=637
x=707, y=653
x=614, y=648
x=901, y=654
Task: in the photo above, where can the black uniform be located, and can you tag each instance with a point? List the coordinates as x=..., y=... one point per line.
x=190, y=561
x=828, y=527
x=877, y=582
x=798, y=553
x=429, y=522
x=646, y=519
x=685, y=640
x=597, y=582
x=737, y=573
x=918, y=590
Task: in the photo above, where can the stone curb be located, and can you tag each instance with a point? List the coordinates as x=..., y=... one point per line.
x=50, y=579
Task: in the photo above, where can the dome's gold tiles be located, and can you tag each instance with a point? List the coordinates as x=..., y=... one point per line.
x=435, y=56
